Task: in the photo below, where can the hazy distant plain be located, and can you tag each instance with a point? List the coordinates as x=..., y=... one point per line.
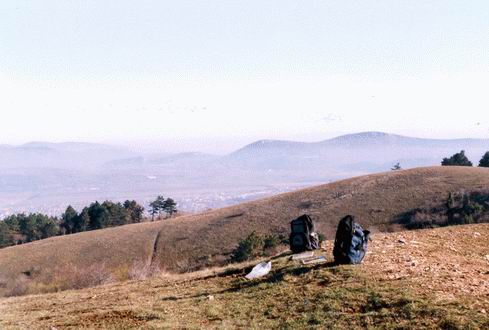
x=46, y=177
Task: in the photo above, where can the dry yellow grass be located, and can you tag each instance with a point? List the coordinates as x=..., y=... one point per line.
x=423, y=279
x=204, y=240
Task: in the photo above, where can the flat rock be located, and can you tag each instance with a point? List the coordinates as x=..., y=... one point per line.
x=303, y=255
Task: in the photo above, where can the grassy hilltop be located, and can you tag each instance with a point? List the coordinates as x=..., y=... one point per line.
x=422, y=279
x=188, y=243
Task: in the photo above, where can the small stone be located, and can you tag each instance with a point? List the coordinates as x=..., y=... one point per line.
x=210, y=297
x=402, y=241
x=477, y=234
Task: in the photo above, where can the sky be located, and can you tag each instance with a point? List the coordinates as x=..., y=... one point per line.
x=214, y=75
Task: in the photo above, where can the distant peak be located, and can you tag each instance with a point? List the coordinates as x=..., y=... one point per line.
x=272, y=143
x=264, y=142
x=365, y=135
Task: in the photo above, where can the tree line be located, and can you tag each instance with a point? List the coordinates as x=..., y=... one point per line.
x=460, y=159
x=101, y=215
x=457, y=159
x=24, y=228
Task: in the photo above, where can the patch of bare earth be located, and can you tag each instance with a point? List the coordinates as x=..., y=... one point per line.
x=447, y=263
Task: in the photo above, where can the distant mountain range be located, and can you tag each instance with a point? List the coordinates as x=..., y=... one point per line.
x=365, y=152
x=365, y=139
x=49, y=176
x=72, y=155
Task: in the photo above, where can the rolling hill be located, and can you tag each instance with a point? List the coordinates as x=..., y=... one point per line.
x=423, y=279
x=191, y=242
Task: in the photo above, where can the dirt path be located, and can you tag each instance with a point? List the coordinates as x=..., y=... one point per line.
x=155, y=250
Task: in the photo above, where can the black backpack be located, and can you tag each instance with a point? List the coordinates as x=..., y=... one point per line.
x=303, y=236
x=351, y=242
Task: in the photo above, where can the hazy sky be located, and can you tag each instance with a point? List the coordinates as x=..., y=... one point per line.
x=212, y=75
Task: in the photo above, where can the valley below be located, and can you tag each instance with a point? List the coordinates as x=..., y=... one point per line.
x=47, y=177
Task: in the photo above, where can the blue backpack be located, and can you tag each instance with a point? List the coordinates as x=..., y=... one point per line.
x=351, y=242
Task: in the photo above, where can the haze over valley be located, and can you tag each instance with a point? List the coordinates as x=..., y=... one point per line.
x=47, y=177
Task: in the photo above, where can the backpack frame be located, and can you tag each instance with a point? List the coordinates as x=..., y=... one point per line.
x=303, y=236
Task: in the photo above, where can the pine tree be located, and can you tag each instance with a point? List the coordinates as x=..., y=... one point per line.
x=458, y=159
x=69, y=220
x=135, y=210
x=6, y=238
x=82, y=221
x=170, y=206
x=99, y=216
x=157, y=207
x=484, y=162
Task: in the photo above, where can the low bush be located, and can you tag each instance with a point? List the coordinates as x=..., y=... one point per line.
x=271, y=242
x=248, y=248
x=255, y=245
x=69, y=278
x=19, y=287
x=79, y=278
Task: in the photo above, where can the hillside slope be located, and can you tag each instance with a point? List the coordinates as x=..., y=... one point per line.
x=423, y=279
x=203, y=240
